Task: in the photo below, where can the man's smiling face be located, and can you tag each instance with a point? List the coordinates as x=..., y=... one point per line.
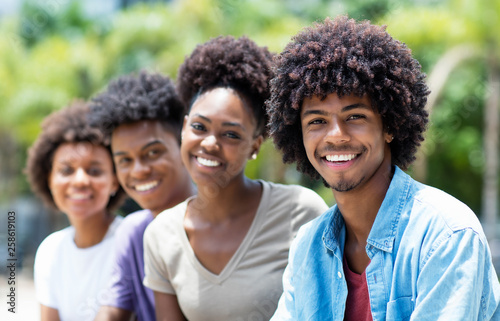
x=344, y=139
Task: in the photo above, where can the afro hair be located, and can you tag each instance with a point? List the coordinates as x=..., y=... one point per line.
x=132, y=98
x=345, y=57
x=68, y=125
x=228, y=62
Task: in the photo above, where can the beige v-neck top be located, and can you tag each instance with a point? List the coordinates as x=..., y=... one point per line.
x=249, y=286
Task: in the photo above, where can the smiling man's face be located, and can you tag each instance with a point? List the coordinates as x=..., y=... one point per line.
x=344, y=139
x=148, y=164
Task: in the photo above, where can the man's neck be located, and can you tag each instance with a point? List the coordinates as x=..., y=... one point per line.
x=359, y=209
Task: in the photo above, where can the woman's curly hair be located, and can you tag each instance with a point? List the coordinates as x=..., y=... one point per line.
x=228, y=62
x=68, y=125
x=132, y=98
x=345, y=57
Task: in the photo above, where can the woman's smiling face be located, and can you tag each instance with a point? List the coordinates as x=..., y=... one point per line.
x=82, y=179
x=218, y=137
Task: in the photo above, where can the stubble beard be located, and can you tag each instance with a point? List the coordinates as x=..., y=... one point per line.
x=344, y=185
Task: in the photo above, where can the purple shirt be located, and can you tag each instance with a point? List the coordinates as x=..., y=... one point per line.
x=125, y=289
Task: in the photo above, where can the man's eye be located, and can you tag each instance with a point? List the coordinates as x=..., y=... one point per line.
x=354, y=117
x=153, y=153
x=124, y=161
x=316, y=122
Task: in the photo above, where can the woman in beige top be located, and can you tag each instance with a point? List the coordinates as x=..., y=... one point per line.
x=220, y=255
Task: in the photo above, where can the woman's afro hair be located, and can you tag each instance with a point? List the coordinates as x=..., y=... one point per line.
x=68, y=125
x=132, y=98
x=228, y=62
x=345, y=57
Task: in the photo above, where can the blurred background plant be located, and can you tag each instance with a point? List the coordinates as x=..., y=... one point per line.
x=54, y=51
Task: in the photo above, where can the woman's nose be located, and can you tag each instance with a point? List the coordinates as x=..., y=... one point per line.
x=210, y=143
x=81, y=177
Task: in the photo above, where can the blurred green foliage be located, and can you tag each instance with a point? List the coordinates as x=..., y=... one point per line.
x=52, y=53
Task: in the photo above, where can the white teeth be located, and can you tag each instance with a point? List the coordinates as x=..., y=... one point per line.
x=207, y=162
x=340, y=158
x=145, y=187
x=79, y=196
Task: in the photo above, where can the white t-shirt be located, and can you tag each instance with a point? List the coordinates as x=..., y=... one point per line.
x=249, y=286
x=70, y=279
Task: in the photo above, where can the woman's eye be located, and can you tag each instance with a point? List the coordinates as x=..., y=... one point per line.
x=66, y=170
x=232, y=135
x=94, y=171
x=197, y=126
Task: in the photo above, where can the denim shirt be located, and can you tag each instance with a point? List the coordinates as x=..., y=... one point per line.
x=429, y=261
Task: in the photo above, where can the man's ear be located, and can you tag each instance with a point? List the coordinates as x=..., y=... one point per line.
x=388, y=137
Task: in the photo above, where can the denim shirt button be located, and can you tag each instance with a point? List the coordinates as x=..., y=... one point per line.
x=339, y=274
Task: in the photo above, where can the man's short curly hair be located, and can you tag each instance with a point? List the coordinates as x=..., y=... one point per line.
x=224, y=61
x=345, y=57
x=132, y=98
x=68, y=125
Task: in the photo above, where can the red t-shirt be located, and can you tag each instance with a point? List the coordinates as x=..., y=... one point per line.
x=357, y=307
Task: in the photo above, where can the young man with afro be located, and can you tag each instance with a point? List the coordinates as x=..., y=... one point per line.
x=142, y=114
x=347, y=105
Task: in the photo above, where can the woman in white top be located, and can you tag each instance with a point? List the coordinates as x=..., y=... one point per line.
x=70, y=167
x=220, y=255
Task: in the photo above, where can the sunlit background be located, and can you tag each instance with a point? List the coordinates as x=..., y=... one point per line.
x=53, y=51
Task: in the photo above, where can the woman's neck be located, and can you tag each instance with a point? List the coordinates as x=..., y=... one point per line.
x=92, y=231
x=225, y=202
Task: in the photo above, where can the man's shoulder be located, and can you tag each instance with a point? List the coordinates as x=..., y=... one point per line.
x=135, y=223
x=434, y=204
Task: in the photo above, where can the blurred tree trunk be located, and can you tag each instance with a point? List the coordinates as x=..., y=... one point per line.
x=491, y=149
x=436, y=81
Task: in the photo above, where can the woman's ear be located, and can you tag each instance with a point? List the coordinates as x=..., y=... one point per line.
x=184, y=126
x=256, y=146
x=115, y=186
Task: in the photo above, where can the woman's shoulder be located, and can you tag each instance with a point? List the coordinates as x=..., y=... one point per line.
x=168, y=219
x=58, y=237
x=295, y=194
x=53, y=242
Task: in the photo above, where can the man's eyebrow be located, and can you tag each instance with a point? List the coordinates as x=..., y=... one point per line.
x=358, y=105
x=344, y=109
x=154, y=142
x=315, y=112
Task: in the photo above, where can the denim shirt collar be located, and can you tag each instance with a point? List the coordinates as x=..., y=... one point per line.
x=384, y=228
x=331, y=234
